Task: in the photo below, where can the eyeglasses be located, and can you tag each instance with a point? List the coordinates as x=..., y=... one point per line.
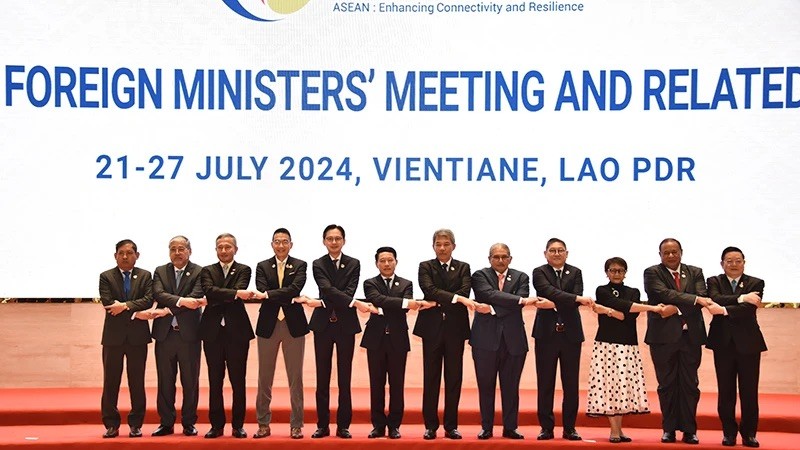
x=617, y=271
x=334, y=239
x=556, y=251
x=500, y=257
x=281, y=242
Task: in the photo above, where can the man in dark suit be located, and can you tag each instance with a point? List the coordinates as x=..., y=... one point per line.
x=445, y=282
x=226, y=333
x=281, y=322
x=335, y=322
x=125, y=291
x=386, y=341
x=675, y=340
x=737, y=342
x=498, y=340
x=559, y=334
x=177, y=289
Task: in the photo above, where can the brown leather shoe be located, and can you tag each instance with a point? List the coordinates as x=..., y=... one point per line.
x=296, y=433
x=263, y=431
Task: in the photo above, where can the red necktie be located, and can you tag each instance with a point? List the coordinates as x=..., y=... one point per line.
x=500, y=281
x=677, y=277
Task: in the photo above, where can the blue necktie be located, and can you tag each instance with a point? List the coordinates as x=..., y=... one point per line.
x=733, y=285
x=126, y=283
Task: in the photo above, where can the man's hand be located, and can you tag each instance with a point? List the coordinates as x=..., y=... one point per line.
x=585, y=301
x=715, y=309
x=160, y=312
x=669, y=310
x=202, y=301
x=259, y=295
x=190, y=303
x=244, y=294
x=143, y=315
x=543, y=303
x=483, y=308
x=753, y=298
x=469, y=303
x=308, y=301
x=424, y=304
x=703, y=301
x=116, y=308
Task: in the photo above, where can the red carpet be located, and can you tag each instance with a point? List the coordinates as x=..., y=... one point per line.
x=69, y=417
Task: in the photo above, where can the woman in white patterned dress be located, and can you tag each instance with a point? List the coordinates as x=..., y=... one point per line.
x=616, y=384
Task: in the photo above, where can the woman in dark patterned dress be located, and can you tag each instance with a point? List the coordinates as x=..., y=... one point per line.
x=616, y=384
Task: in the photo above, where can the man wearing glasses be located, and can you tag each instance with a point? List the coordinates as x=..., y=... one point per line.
x=335, y=322
x=675, y=339
x=559, y=334
x=281, y=322
x=737, y=342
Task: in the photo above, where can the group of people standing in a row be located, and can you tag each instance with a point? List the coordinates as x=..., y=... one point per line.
x=190, y=304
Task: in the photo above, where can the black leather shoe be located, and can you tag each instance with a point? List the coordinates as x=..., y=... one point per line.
x=429, y=434
x=545, y=435
x=668, y=437
x=512, y=434
x=321, y=433
x=163, y=431
x=214, y=433
x=376, y=433
x=571, y=435
x=111, y=432
x=690, y=438
x=394, y=433
x=190, y=431
x=750, y=441
x=136, y=432
x=484, y=434
x=343, y=433
x=239, y=433
x=450, y=434
x=728, y=441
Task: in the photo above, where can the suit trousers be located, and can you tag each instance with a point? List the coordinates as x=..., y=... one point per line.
x=174, y=354
x=488, y=365
x=323, y=355
x=382, y=363
x=448, y=349
x=731, y=366
x=293, y=352
x=676, y=367
x=113, y=358
x=226, y=352
x=549, y=355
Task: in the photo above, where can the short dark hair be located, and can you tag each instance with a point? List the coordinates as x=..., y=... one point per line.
x=731, y=250
x=385, y=250
x=552, y=241
x=616, y=260
x=282, y=231
x=126, y=242
x=330, y=227
x=680, y=247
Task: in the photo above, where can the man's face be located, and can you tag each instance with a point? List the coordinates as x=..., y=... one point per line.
x=126, y=257
x=179, y=253
x=671, y=254
x=334, y=241
x=556, y=254
x=733, y=264
x=226, y=250
x=281, y=244
x=443, y=248
x=499, y=259
x=386, y=264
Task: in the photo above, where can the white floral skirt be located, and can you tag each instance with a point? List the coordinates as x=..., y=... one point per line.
x=616, y=381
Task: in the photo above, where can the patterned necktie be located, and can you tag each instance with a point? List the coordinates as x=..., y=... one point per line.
x=178, y=276
x=225, y=269
x=677, y=277
x=126, y=283
x=281, y=266
x=388, y=282
x=501, y=281
x=444, y=267
x=733, y=285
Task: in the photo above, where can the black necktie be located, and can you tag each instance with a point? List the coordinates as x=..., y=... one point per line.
x=388, y=283
x=558, y=278
x=444, y=267
x=336, y=264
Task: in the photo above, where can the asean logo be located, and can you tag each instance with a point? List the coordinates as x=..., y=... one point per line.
x=265, y=10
